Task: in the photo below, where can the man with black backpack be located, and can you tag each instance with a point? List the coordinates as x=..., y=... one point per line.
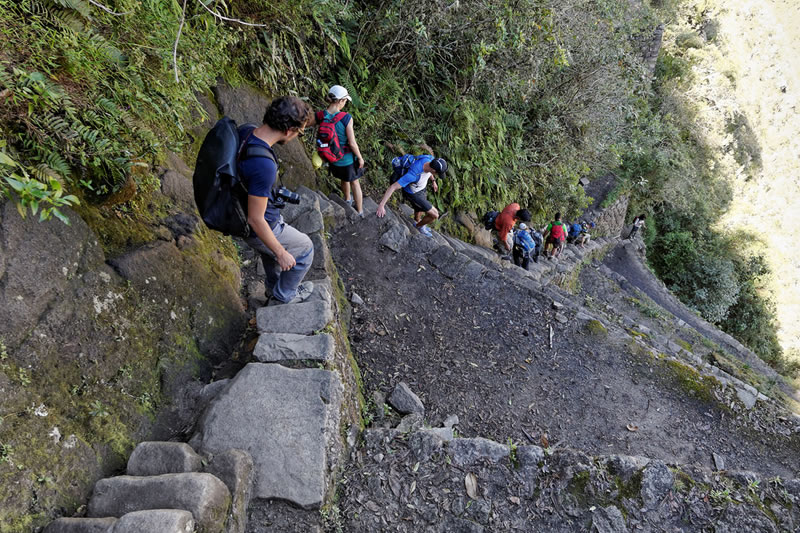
x=286, y=253
x=412, y=174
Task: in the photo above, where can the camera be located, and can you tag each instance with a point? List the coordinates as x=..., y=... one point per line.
x=283, y=195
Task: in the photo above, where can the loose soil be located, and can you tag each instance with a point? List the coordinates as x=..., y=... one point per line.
x=481, y=350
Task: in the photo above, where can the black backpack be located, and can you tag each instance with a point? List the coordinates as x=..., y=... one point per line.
x=220, y=194
x=489, y=218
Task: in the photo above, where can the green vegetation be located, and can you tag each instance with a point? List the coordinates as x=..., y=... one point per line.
x=595, y=327
x=672, y=171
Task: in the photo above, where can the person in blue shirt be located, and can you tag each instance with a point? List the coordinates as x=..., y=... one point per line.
x=350, y=168
x=524, y=246
x=286, y=253
x=413, y=183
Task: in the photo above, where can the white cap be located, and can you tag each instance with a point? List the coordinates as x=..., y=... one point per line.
x=337, y=92
x=522, y=225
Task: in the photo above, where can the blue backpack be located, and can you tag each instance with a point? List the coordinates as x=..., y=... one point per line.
x=575, y=230
x=400, y=166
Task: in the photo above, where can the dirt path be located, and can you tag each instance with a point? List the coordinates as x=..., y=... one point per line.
x=481, y=351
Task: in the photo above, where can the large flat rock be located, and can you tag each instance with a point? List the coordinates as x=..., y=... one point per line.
x=205, y=496
x=274, y=347
x=302, y=319
x=287, y=420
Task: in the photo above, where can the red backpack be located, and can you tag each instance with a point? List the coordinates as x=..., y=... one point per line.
x=557, y=231
x=328, y=145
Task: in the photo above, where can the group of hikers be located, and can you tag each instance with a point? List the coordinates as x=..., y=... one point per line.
x=526, y=243
x=287, y=253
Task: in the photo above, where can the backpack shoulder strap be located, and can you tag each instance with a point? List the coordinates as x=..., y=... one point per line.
x=338, y=116
x=251, y=151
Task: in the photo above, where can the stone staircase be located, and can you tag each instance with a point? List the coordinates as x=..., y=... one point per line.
x=271, y=433
x=274, y=438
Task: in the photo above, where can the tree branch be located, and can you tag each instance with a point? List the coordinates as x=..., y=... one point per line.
x=226, y=19
x=178, y=38
x=108, y=10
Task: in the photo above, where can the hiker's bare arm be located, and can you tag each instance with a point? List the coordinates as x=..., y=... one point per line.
x=351, y=142
x=256, y=207
x=381, y=212
x=427, y=148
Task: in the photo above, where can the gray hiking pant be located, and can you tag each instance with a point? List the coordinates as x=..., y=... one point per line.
x=284, y=284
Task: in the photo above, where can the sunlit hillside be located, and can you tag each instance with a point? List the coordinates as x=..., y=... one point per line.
x=750, y=67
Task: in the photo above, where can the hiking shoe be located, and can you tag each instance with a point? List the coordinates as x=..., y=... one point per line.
x=349, y=202
x=360, y=214
x=425, y=230
x=304, y=291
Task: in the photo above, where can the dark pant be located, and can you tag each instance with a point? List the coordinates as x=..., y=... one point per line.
x=521, y=258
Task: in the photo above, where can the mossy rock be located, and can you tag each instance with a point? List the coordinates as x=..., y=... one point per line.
x=595, y=327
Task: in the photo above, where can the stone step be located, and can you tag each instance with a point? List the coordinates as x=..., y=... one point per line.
x=369, y=207
x=288, y=420
x=81, y=525
x=155, y=458
x=350, y=213
x=276, y=347
x=235, y=469
x=396, y=235
x=302, y=319
x=205, y=496
x=160, y=520
x=449, y=262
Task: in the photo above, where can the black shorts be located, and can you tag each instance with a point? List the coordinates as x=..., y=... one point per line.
x=418, y=201
x=346, y=173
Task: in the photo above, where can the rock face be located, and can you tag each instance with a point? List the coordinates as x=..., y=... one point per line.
x=656, y=483
x=267, y=410
x=204, y=495
x=67, y=317
x=246, y=104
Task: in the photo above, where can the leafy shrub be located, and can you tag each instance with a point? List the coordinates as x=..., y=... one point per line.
x=689, y=40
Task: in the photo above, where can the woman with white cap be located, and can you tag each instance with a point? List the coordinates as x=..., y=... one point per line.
x=336, y=143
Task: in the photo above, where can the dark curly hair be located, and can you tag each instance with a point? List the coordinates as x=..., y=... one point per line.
x=287, y=112
x=524, y=215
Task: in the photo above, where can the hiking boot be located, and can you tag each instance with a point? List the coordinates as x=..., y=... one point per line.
x=304, y=291
x=349, y=202
x=425, y=230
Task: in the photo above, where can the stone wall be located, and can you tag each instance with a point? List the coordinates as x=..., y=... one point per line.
x=611, y=220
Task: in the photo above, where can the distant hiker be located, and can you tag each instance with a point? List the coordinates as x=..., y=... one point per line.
x=638, y=222
x=555, y=235
x=524, y=246
x=285, y=252
x=574, y=230
x=584, y=236
x=538, y=240
x=336, y=144
x=415, y=172
x=505, y=222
